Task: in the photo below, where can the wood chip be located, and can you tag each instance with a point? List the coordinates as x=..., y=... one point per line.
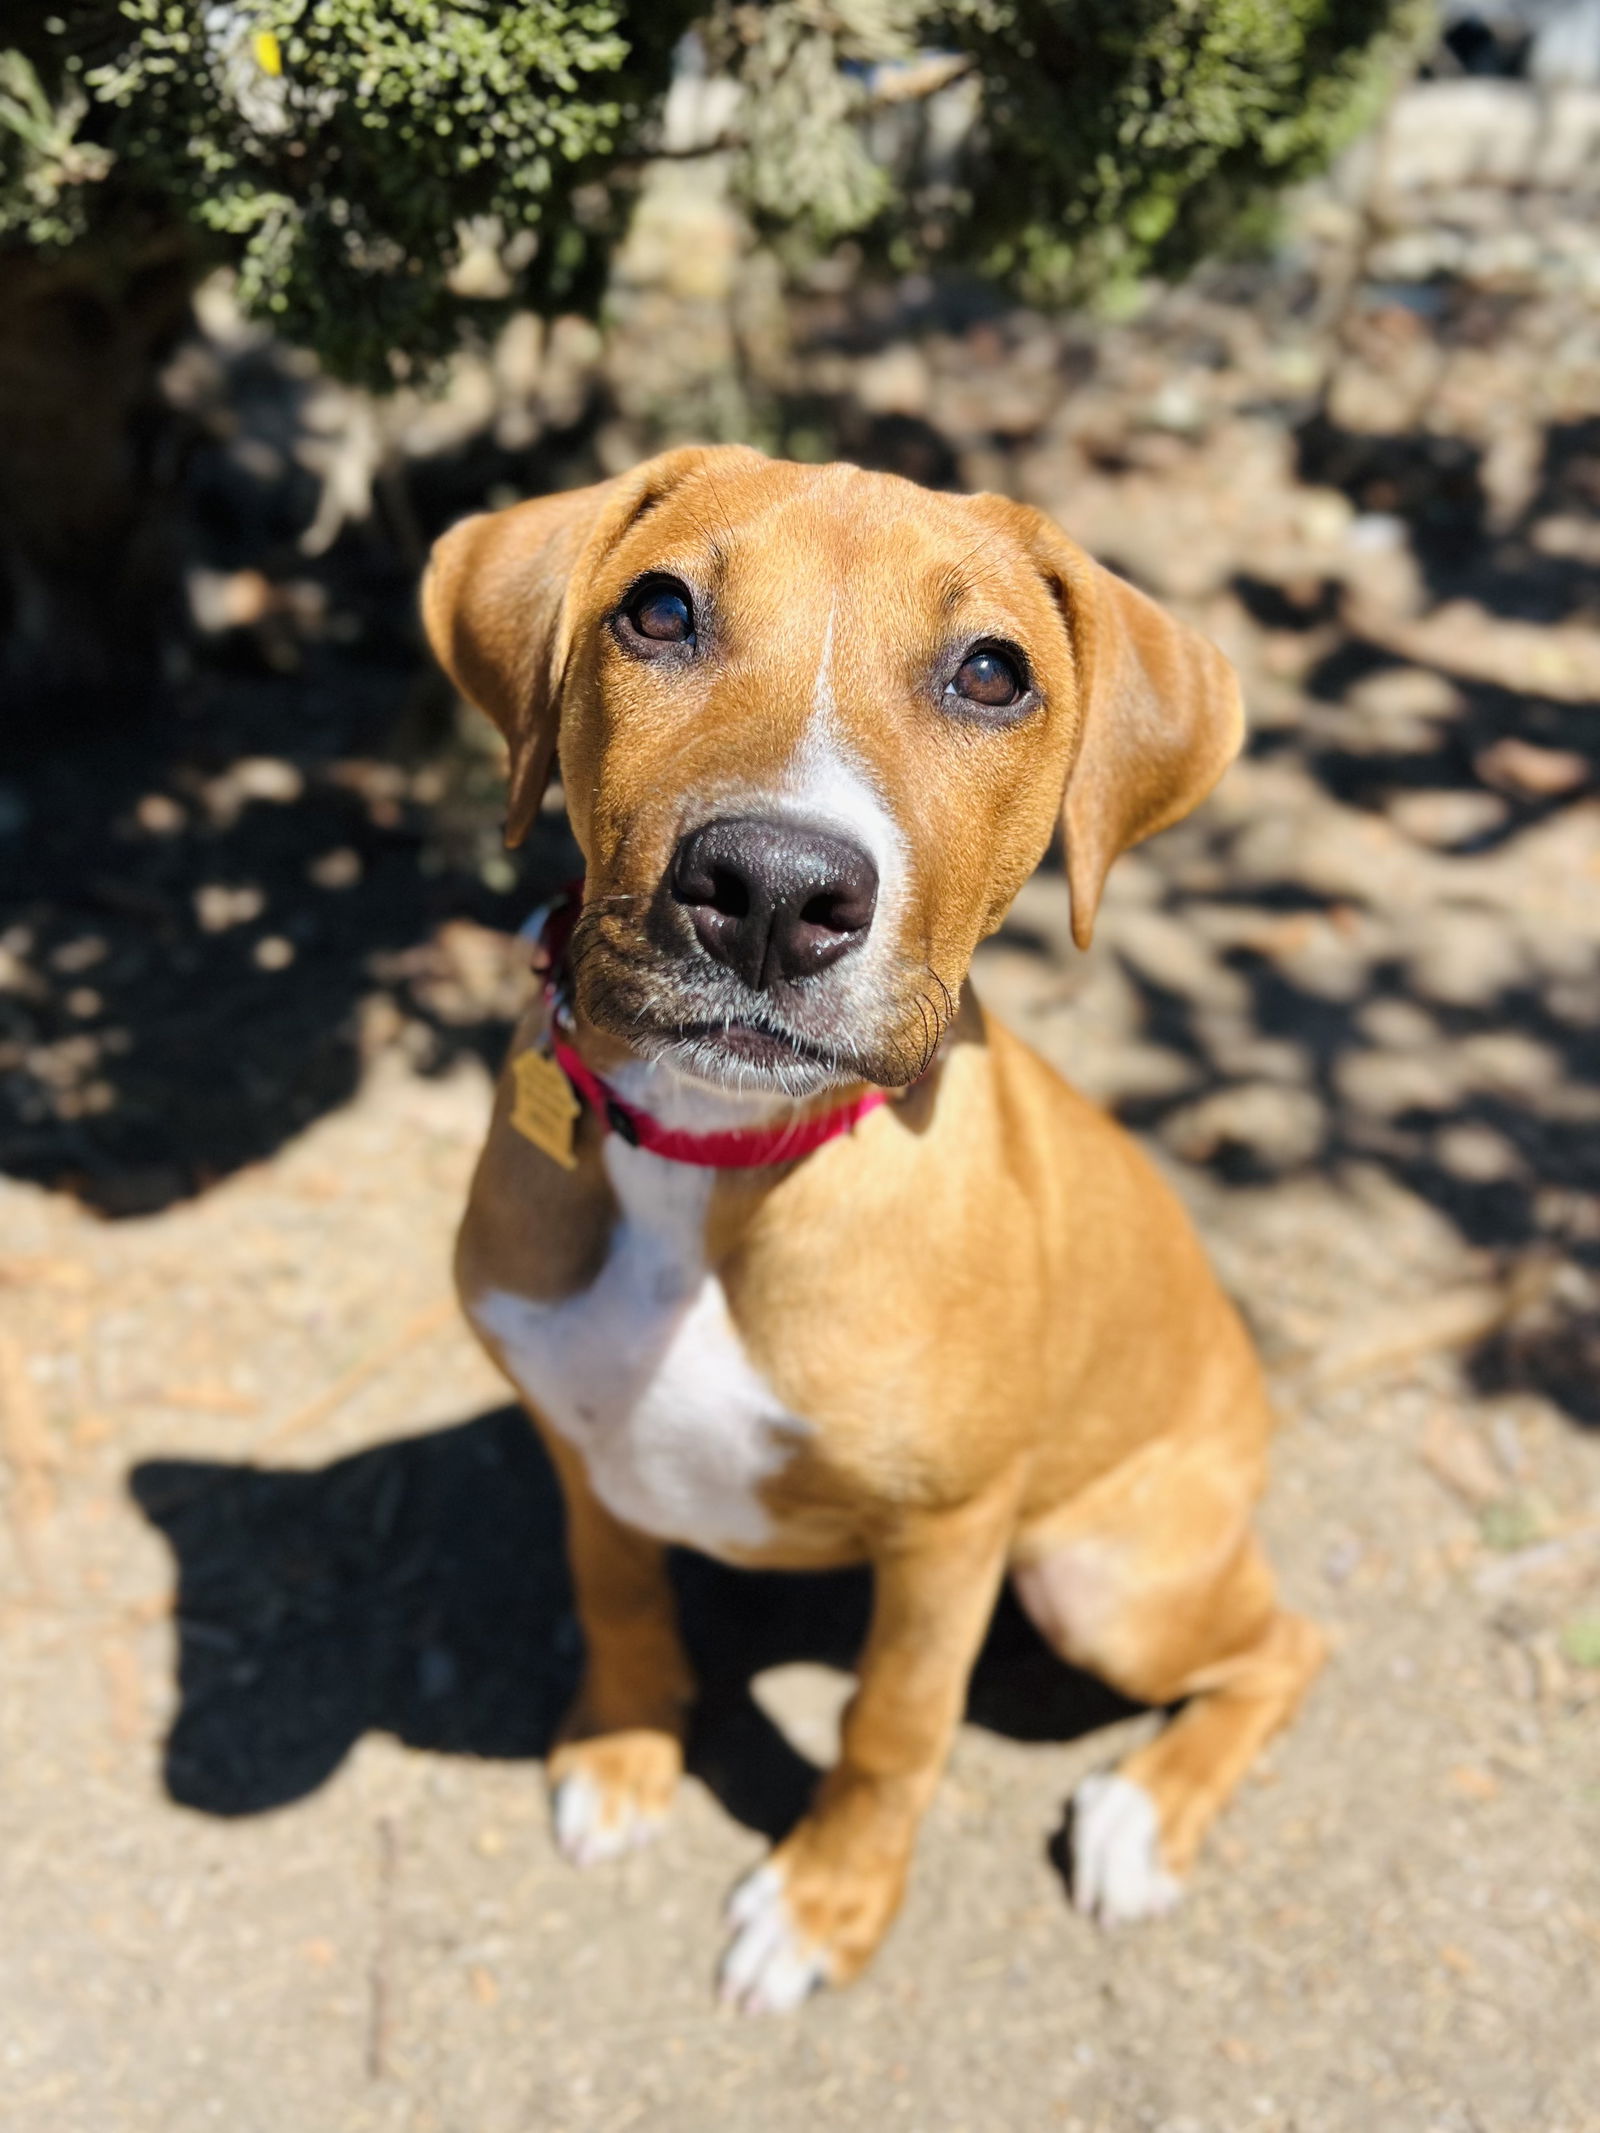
x=1470, y=1783
x=1454, y=1454
x=1522, y=767
x=46, y=1270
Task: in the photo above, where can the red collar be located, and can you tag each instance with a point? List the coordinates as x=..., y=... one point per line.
x=550, y=929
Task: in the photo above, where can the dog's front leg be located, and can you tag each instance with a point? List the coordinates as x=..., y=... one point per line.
x=814, y=1912
x=620, y=1755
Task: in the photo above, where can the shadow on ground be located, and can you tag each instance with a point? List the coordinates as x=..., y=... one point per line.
x=213, y=912
x=420, y=1589
x=1451, y=1036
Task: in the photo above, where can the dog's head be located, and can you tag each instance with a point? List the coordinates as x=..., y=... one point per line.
x=815, y=727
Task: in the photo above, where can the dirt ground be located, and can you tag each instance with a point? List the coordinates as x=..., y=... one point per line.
x=284, y=1626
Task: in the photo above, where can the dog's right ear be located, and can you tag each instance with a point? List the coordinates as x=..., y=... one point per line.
x=494, y=603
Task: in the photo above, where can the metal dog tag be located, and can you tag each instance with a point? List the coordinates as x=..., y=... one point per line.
x=544, y=1108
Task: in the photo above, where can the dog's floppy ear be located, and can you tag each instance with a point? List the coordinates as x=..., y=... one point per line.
x=1161, y=720
x=494, y=602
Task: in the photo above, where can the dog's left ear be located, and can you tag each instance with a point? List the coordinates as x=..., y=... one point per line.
x=1161, y=719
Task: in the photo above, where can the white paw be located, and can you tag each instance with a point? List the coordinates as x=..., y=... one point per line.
x=1117, y=1875
x=593, y=1824
x=770, y=1966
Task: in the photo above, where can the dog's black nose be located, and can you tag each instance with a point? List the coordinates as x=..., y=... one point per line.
x=773, y=900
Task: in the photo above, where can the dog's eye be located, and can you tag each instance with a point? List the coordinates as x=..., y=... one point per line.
x=990, y=677
x=662, y=611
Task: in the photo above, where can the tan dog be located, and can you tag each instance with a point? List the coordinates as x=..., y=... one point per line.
x=815, y=728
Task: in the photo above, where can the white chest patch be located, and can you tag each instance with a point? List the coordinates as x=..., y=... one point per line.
x=644, y=1372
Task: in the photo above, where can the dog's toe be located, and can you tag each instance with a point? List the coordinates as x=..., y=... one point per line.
x=770, y=1965
x=1117, y=1874
x=611, y=1793
x=595, y=1822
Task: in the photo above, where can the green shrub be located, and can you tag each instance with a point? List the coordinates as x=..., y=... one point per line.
x=338, y=150
x=344, y=152
x=1126, y=137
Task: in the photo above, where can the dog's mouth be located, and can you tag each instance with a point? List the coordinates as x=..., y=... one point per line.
x=750, y=1055
x=794, y=1045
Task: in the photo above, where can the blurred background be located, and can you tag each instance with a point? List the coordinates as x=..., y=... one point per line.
x=1289, y=312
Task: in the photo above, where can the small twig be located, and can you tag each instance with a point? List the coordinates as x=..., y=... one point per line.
x=411, y=1334
x=119, y=1666
x=30, y=1453
x=916, y=82
x=920, y=79
x=1563, y=1551
x=724, y=144
x=379, y=1979
x=1433, y=1325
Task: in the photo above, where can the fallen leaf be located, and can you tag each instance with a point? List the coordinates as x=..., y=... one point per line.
x=1471, y=1783
x=1512, y=1525
x=1580, y=1641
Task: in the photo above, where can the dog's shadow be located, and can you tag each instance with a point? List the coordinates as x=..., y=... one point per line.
x=420, y=1589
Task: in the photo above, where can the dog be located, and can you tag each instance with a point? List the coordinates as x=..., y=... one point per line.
x=796, y=1256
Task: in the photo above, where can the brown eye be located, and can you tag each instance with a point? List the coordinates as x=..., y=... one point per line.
x=990, y=677
x=662, y=612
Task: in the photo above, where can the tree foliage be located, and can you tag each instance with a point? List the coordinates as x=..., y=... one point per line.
x=1123, y=137
x=346, y=154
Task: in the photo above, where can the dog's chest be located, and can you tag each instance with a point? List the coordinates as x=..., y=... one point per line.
x=644, y=1373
